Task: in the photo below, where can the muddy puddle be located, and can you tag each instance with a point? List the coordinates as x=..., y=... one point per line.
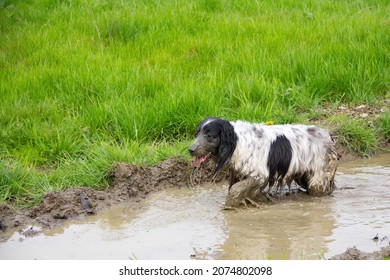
x=189, y=223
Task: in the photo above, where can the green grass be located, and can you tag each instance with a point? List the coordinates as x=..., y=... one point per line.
x=87, y=83
x=384, y=125
x=357, y=136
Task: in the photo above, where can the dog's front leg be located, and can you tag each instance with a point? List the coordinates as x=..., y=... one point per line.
x=242, y=191
x=232, y=178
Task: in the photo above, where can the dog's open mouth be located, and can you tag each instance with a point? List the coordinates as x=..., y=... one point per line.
x=199, y=160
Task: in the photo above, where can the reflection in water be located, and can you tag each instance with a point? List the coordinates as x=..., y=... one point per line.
x=190, y=223
x=280, y=231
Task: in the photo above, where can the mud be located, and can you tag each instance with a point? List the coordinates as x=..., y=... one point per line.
x=356, y=254
x=157, y=215
x=128, y=183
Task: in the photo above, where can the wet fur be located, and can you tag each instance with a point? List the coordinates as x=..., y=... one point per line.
x=261, y=156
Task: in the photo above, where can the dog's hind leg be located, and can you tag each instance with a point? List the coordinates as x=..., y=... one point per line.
x=322, y=181
x=288, y=183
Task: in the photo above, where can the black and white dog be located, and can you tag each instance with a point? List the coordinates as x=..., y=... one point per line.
x=261, y=156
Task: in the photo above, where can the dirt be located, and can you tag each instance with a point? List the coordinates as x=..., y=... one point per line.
x=128, y=184
x=355, y=254
x=363, y=112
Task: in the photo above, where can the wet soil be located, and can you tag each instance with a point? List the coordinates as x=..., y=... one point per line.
x=356, y=254
x=128, y=183
x=156, y=213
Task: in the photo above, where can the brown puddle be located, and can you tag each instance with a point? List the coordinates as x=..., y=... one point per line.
x=190, y=224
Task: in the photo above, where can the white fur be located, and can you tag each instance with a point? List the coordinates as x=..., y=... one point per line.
x=252, y=150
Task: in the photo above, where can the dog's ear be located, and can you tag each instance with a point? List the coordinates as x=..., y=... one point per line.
x=227, y=145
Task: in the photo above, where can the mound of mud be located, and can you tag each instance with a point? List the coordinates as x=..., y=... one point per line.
x=128, y=184
x=355, y=254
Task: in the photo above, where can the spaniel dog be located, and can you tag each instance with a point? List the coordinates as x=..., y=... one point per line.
x=265, y=156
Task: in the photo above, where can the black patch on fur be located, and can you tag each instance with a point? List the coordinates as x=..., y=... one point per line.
x=312, y=130
x=302, y=180
x=279, y=158
x=228, y=140
x=258, y=132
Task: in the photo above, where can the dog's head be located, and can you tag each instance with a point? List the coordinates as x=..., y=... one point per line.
x=214, y=139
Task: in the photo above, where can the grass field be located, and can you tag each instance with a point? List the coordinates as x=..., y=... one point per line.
x=84, y=83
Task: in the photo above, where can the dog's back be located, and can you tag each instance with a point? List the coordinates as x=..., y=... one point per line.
x=283, y=153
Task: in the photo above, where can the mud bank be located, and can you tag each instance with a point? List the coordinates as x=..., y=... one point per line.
x=128, y=183
x=355, y=254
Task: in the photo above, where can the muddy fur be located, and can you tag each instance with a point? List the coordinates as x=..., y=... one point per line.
x=262, y=157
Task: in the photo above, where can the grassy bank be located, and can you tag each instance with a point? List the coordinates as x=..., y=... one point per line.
x=87, y=83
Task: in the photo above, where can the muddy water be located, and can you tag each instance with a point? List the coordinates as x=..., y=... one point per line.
x=189, y=223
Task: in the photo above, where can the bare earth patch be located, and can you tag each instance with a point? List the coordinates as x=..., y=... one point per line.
x=355, y=254
x=129, y=184
x=363, y=111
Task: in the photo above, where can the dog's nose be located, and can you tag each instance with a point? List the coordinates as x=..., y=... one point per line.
x=192, y=149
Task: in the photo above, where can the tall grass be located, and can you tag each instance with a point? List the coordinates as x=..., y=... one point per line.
x=356, y=136
x=86, y=83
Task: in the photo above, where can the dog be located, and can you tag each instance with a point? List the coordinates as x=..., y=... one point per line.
x=261, y=156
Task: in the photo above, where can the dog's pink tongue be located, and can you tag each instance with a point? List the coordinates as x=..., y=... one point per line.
x=198, y=161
